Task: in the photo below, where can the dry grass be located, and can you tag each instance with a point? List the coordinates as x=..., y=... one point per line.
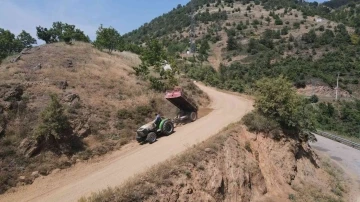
x=105, y=84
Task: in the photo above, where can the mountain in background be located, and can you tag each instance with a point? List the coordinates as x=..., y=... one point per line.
x=239, y=42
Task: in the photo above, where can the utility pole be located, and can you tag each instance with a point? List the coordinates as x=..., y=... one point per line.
x=337, y=87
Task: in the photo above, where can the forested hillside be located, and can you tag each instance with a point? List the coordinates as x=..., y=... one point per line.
x=239, y=42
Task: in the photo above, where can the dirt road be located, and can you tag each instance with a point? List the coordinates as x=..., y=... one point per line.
x=112, y=170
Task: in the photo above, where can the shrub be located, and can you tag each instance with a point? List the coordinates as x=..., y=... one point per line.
x=300, y=84
x=248, y=146
x=124, y=114
x=257, y=122
x=278, y=21
x=296, y=25
x=278, y=101
x=53, y=123
x=314, y=99
x=156, y=84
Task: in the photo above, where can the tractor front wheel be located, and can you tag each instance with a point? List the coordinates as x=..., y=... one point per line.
x=193, y=116
x=151, y=137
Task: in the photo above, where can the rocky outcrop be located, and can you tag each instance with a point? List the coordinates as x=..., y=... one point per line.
x=228, y=174
x=62, y=84
x=241, y=167
x=24, y=51
x=71, y=97
x=37, y=67
x=82, y=130
x=69, y=63
x=29, y=147
x=9, y=93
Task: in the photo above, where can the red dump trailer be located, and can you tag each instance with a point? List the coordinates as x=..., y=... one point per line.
x=188, y=109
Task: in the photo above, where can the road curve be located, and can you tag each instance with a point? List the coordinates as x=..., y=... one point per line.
x=346, y=157
x=343, y=155
x=84, y=179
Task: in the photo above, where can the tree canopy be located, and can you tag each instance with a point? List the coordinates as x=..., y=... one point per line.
x=61, y=32
x=9, y=44
x=108, y=38
x=277, y=100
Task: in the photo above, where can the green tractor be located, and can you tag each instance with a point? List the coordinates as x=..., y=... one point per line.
x=150, y=131
x=188, y=111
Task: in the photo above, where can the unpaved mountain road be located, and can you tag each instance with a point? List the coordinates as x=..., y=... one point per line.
x=84, y=178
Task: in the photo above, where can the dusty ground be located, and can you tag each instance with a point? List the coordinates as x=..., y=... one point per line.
x=85, y=178
x=236, y=165
x=102, y=97
x=324, y=92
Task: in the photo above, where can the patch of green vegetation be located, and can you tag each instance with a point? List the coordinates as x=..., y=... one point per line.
x=341, y=117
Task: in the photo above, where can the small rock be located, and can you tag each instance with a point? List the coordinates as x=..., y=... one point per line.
x=189, y=191
x=84, y=132
x=55, y=171
x=6, y=105
x=25, y=51
x=15, y=59
x=35, y=174
x=22, y=178
x=13, y=93
x=62, y=85
x=208, y=150
x=69, y=63
x=78, y=160
x=37, y=67
x=1, y=130
x=28, y=147
x=70, y=97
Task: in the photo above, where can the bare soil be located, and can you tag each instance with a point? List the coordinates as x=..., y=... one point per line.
x=237, y=166
x=93, y=87
x=85, y=178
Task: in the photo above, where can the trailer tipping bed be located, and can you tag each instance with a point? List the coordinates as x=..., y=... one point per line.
x=178, y=98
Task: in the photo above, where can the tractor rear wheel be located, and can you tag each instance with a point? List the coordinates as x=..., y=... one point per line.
x=167, y=128
x=193, y=116
x=151, y=137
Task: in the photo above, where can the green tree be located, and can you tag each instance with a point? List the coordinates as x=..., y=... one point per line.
x=61, y=32
x=6, y=43
x=153, y=54
x=309, y=37
x=232, y=44
x=26, y=39
x=45, y=34
x=203, y=51
x=277, y=100
x=108, y=38
x=53, y=122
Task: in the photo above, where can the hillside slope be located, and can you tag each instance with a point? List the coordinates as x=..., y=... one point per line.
x=102, y=99
x=116, y=168
x=255, y=39
x=237, y=166
x=239, y=42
